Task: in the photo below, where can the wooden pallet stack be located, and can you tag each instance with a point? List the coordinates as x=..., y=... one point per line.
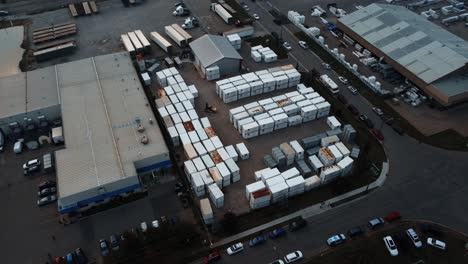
x=54, y=32
x=83, y=9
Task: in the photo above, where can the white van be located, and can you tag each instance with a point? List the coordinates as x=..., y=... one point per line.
x=18, y=147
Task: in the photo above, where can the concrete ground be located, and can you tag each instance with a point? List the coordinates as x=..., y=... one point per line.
x=258, y=146
x=100, y=33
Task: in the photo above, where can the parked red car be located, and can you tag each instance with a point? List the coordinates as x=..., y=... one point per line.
x=212, y=257
x=378, y=134
x=393, y=216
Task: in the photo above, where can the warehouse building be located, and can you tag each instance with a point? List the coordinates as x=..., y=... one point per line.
x=429, y=56
x=27, y=99
x=215, y=56
x=111, y=136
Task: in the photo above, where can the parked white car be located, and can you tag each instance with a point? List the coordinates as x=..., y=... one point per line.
x=287, y=46
x=390, y=244
x=303, y=44
x=343, y=79
x=293, y=256
x=256, y=16
x=144, y=227
x=436, y=243
x=414, y=237
x=236, y=248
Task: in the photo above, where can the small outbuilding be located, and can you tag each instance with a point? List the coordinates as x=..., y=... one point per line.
x=215, y=56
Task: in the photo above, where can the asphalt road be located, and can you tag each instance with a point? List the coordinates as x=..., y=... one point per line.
x=424, y=182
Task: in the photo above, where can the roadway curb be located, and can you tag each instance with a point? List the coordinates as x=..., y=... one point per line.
x=310, y=211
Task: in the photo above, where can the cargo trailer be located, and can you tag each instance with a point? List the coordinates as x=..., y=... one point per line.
x=144, y=41
x=182, y=32
x=175, y=36
x=222, y=12
x=135, y=41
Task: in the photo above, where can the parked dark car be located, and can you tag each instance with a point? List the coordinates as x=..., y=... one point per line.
x=378, y=134
x=342, y=99
x=277, y=233
x=46, y=192
x=393, y=216
x=353, y=109
x=369, y=123
x=398, y=129
x=212, y=257
x=256, y=241
x=81, y=256
x=355, y=231
x=46, y=184
x=298, y=224
x=375, y=223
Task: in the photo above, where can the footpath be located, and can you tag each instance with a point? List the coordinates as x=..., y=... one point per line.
x=312, y=210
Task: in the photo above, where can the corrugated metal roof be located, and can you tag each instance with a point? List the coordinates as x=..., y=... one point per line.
x=28, y=91
x=427, y=50
x=211, y=48
x=102, y=104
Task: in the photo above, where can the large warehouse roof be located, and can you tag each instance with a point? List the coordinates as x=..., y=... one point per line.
x=427, y=50
x=28, y=91
x=211, y=48
x=102, y=104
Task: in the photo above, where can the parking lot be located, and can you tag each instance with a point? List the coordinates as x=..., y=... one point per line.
x=30, y=225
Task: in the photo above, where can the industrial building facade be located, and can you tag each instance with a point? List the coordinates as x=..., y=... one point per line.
x=211, y=51
x=429, y=56
x=28, y=98
x=111, y=134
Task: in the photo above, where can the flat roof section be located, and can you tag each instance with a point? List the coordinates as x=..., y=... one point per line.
x=28, y=91
x=102, y=104
x=427, y=50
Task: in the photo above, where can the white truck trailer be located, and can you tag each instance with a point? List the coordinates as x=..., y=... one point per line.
x=161, y=42
x=175, y=36
x=222, y=12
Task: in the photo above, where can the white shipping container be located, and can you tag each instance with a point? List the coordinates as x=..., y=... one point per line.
x=198, y=164
x=208, y=161
x=202, y=134
x=197, y=184
x=200, y=148
x=250, y=130
x=258, y=174
x=291, y=173
x=216, y=142
x=194, y=136
x=274, y=180
x=209, y=145
x=197, y=125
x=232, y=152
x=233, y=168
x=336, y=153
x=298, y=149
x=333, y=123
x=189, y=168
x=216, y=195
x=315, y=163
x=269, y=174
x=243, y=151
x=223, y=154
x=235, y=111
x=205, y=122
x=343, y=149
x=206, y=211
x=244, y=122
x=206, y=177
x=312, y=183
x=185, y=139
x=253, y=187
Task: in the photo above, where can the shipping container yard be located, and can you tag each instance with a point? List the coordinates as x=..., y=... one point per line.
x=203, y=131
